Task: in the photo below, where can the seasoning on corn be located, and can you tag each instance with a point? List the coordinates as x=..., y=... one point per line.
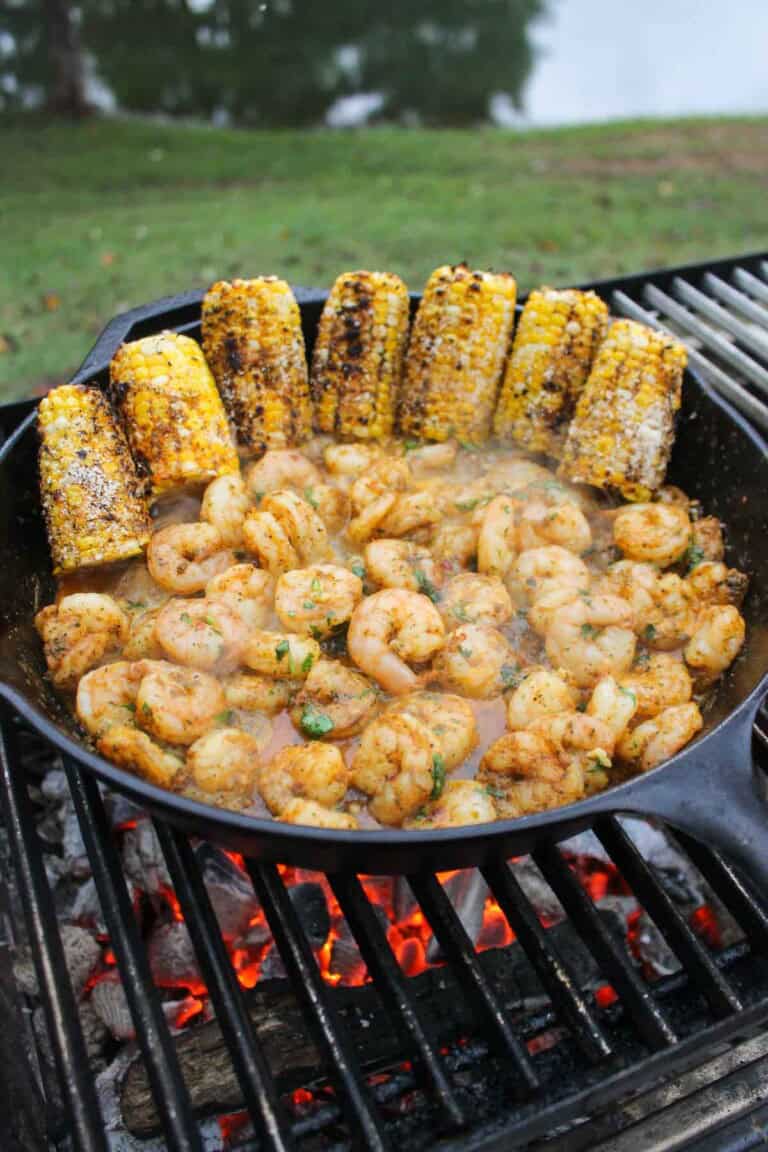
x=623, y=428
x=358, y=357
x=88, y=483
x=253, y=341
x=456, y=354
x=555, y=342
x=173, y=416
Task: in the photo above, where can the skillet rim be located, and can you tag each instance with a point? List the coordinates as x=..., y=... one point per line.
x=246, y=826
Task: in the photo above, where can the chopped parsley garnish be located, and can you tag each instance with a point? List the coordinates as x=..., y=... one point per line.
x=438, y=776
x=598, y=760
x=358, y=568
x=468, y=446
x=186, y=618
x=129, y=707
x=314, y=587
x=467, y=505
x=309, y=496
x=630, y=693
x=693, y=556
x=258, y=497
x=496, y=793
x=511, y=675
x=589, y=631
x=465, y=652
x=225, y=718
x=314, y=722
x=306, y=664
x=649, y=632
x=460, y=611
x=212, y=624
x=411, y=445
x=426, y=586
x=282, y=649
x=146, y=709
x=134, y=605
x=309, y=605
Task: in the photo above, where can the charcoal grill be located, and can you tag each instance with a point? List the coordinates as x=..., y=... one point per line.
x=680, y=1062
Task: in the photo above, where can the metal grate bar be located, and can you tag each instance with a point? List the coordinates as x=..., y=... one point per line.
x=711, y=339
x=746, y=335
x=307, y=983
x=259, y=1091
x=632, y=990
x=168, y=1087
x=681, y=939
x=392, y=986
x=62, y=1020
x=460, y=951
x=751, y=284
x=729, y=886
x=736, y=299
x=730, y=389
x=555, y=975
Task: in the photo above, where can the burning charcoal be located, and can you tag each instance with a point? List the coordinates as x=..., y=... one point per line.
x=257, y=936
x=95, y=1032
x=272, y=967
x=536, y=888
x=346, y=960
x=403, y=900
x=143, y=858
x=54, y=786
x=467, y=892
x=172, y=957
x=309, y=902
x=110, y=1004
x=81, y=954
x=585, y=844
x=653, y=948
x=122, y=812
x=55, y=868
x=86, y=909
x=230, y=891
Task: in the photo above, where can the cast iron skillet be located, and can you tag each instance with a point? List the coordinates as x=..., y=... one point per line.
x=708, y=789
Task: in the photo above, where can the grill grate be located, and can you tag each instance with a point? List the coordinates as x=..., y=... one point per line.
x=653, y=1031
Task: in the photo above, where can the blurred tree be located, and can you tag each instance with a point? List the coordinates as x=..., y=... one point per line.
x=282, y=62
x=43, y=58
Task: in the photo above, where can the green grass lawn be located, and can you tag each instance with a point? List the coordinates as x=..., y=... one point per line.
x=97, y=217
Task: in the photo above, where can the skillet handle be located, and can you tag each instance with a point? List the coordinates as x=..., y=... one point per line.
x=719, y=797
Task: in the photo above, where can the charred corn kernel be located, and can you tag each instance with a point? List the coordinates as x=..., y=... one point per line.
x=171, y=411
x=254, y=344
x=88, y=482
x=555, y=342
x=622, y=431
x=456, y=354
x=357, y=362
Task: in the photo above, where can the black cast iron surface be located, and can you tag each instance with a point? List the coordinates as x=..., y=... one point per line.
x=718, y=458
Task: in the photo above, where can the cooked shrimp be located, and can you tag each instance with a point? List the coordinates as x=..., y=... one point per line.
x=461, y=802
x=310, y=812
x=305, y=772
x=713, y=583
x=448, y=720
x=369, y=521
x=302, y=525
x=330, y=503
x=142, y=643
x=524, y=774
x=614, y=705
x=454, y=544
x=655, y=740
x=225, y=503
x=201, y=633
x=429, y=456
x=80, y=632
x=401, y=564
x=652, y=533
x=251, y=693
x=582, y=743
x=265, y=537
x=138, y=752
x=565, y=525
x=660, y=682
x=412, y=513
x=638, y=584
x=497, y=542
x=592, y=637
x=136, y=591
x=177, y=704
x=317, y=601
x=538, y=571
x=673, y=618
x=476, y=660
x=716, y=641
x=390, y=630
x=513, y=473
x=246, y=590
x=107, y=696
x=707, y=539
x=225, y=760
x=472, y=599
x=184, y=557
x=335, y=701
x=283, y=655
x=350, y=459
x=386, y=475
x=394, y=766
x=540, y=692
x=280, y=468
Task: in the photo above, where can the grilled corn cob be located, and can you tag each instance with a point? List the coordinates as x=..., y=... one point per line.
x=623, y=428
x=88, y=483
x=253, y=341
x=456, y=354
x=556, y=339
x=172, y=413
x=358, y=357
